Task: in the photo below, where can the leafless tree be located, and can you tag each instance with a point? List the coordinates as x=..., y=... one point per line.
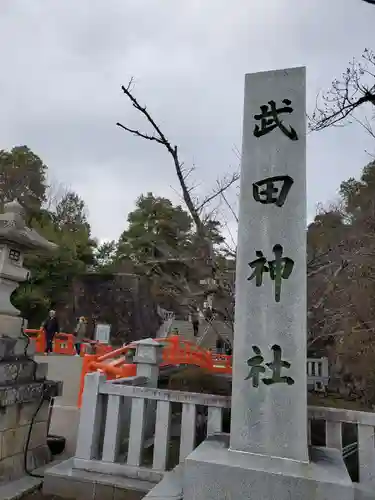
x=197, y=208
x=348, y=95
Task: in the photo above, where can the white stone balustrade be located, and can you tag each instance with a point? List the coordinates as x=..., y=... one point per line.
x=134, y=407
x=103, y=400
x=365, y=421
x=317, y=373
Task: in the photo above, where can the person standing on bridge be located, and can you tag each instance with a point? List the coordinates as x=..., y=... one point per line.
x=50, y=327
x=194, y=318
x=79, y=334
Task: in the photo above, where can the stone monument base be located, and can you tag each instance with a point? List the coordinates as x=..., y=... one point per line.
x=25, y=396
x=213, y=472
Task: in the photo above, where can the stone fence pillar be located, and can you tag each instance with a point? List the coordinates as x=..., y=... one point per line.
x=148, y=358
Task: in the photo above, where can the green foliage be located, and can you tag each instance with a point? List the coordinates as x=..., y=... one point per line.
x=155, y=227
x=52, y=275
x=358, y=195
x=22, y=176
x=70, y=213
x=212, y=233
x=33, y=303
x=105, y=256
x=160, y=240
x=341, y=273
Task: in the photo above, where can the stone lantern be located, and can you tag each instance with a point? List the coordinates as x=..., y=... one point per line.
x=25, y=392
x=15, y=239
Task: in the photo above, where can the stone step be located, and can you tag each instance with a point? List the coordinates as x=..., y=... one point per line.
x=67, y=482
x=169, y=487
x=185, y=330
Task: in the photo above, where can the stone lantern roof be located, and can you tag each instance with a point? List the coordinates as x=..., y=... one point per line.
x=13, y=229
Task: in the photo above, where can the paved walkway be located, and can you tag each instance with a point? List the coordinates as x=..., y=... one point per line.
x=65, y=368
x=65, y=415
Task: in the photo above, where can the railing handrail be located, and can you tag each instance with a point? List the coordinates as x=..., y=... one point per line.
x=342, y=415
x=168, y=395
x=126, y=401
x=173, y=396
x=206, y=330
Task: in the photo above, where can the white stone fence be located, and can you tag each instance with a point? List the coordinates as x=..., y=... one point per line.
x=317, y=374
x=98, y=445
x=335, y=419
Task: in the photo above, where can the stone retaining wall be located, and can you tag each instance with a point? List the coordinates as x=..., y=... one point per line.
x=15, y=421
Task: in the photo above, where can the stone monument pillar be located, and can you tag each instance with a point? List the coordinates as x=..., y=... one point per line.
x=23, y=384
x=267, y=453
x=269, y=399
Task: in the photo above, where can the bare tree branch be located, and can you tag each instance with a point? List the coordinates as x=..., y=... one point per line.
x=222, y=187
x=140, y=134
x=354, y=89
x=56, y=191
x=172, y=150
x=229, y=206
x=194, y=208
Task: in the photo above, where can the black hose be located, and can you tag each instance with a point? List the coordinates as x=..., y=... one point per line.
x=28, y=472
x=42, y=399
x=27, y=444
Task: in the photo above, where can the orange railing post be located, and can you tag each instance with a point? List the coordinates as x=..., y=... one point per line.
x=38, y=337
x=86, y=368
x=63, y=344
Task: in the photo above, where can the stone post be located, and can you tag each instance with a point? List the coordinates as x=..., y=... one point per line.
x=148, y=358
x=268, y=456
x=23, y=382
x=269, y=402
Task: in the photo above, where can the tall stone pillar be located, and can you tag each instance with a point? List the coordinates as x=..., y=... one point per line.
x=266, y=455
x=269, y=399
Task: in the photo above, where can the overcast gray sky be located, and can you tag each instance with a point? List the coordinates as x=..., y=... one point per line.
x=63, y=63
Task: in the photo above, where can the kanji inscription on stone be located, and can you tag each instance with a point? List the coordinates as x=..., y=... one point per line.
x=280, y=268
x=269, y=119
x=258, y=368
x=268, y=192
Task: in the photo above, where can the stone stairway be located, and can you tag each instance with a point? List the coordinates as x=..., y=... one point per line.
x=166, y=326
x=185, y=329
x=206, y=337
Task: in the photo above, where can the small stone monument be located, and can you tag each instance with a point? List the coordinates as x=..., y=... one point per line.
x=267, y=454
x=23, y=384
